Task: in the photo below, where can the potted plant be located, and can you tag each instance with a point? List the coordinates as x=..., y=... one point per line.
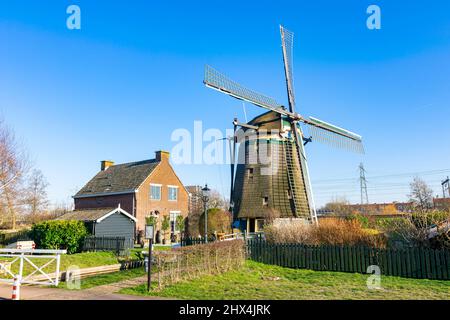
x=150, y=220
x=165, y=225
x=180, y=225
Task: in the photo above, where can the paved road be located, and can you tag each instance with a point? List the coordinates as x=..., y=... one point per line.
x=105, y=292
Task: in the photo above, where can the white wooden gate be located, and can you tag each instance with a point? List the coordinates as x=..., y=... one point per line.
x=23, y=265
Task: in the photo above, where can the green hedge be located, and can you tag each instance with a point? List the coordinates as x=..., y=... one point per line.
x=59, y=234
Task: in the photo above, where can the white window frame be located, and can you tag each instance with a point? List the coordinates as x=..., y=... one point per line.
x=176, y=194
x=160, y=191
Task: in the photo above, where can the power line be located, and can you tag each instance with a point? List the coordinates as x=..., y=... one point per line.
x=409, y=174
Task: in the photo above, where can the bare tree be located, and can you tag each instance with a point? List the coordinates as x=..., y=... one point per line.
x=36, y=195
x=60, y=209
x=14, y=165
x=216, y=201
x=339, y=206
x=421, y=194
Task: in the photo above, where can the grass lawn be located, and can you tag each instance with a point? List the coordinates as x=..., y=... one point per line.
x=82, y=260
x=259, y=281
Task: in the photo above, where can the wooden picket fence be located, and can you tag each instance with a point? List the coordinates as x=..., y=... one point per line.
x=8, y=238
x=192, y=241
x=115, y=244
x=420, y=263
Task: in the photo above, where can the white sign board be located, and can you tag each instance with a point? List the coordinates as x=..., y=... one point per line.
x=149, y=230
x=25, y=245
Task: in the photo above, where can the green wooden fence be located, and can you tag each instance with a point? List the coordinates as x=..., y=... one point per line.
x=8, y=238
x=114, y=244
x=192, y=241
x=420, y=263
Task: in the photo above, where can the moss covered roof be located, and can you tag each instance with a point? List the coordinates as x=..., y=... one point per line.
x=125, y=177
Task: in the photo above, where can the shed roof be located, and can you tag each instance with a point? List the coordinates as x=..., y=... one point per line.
x=124, y=178
x=93, y=214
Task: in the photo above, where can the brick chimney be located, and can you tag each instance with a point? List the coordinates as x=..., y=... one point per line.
x=105, y=164
x=162, y=155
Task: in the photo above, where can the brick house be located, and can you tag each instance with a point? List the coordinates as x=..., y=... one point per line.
x=143, y=188
x=441, y=203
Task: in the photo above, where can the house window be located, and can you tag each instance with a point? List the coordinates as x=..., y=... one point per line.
x=265, y=201
x=259, y=225
x=173, y=193
x=155, y=191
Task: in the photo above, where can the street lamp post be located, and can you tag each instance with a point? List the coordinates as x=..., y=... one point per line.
x=205, y=198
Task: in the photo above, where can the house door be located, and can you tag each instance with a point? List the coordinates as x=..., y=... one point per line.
x=251, y=227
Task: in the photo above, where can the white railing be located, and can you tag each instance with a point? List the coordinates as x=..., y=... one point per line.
x=16, y=260
x=240, y=235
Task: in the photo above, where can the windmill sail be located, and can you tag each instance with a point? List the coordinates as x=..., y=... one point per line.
x=216, y=80
x=335, y=136
x=287, y=41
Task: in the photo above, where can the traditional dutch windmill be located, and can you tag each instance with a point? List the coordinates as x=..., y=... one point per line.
x=281, y=188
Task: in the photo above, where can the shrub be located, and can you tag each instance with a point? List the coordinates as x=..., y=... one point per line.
x=416, y=228
x=218, y=221
x=186, y=263
x=60, y=234
x=328, y=232
x=363, y=220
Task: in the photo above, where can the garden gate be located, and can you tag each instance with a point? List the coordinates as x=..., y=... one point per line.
x=21, y=266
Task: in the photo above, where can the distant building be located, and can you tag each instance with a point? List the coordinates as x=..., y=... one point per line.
x=143, y=188
x=441, y=203
x=391, y=208
x=195, y=209
x=382, y=208
x=195, y=201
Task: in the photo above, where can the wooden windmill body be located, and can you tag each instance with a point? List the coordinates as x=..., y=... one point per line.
x=270, y=178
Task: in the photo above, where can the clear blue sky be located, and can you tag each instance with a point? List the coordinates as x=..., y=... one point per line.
x=117, y=88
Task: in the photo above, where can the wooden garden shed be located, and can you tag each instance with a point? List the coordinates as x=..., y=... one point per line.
x=106, y=222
